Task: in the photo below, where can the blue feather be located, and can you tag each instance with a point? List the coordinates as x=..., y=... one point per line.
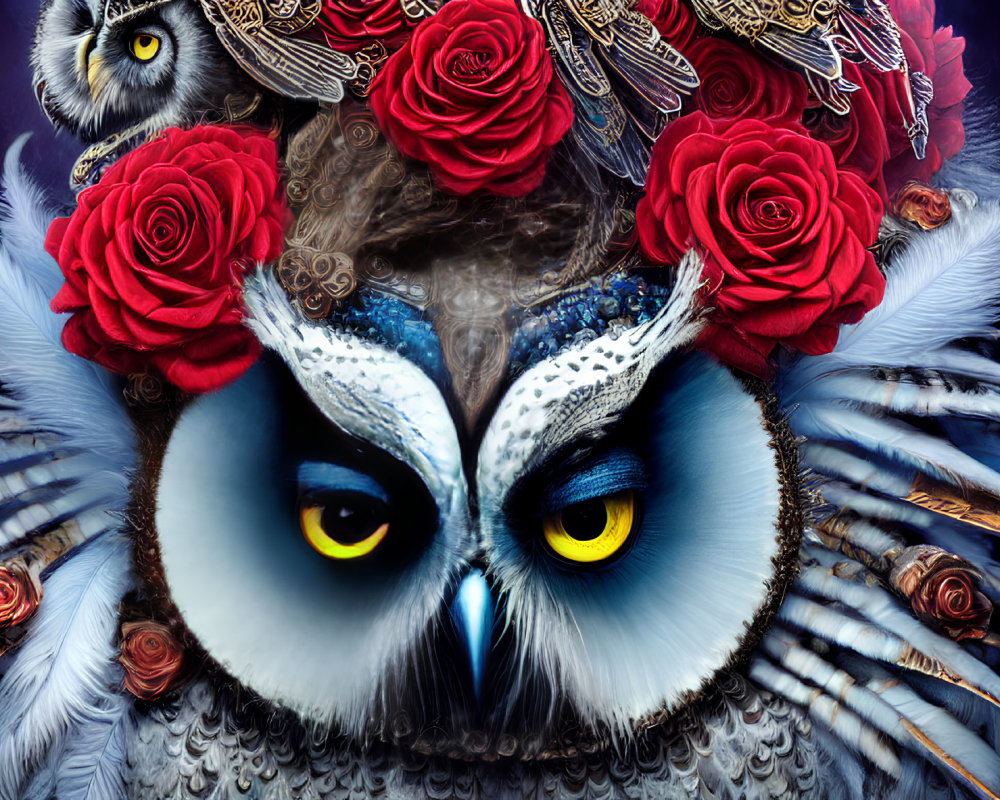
x=896, y=439
x=91, y=764
x=976, y=167
x=62, y=676
x=24, y=221
x=944, y=287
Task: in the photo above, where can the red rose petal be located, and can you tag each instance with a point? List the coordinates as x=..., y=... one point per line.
x=474, y=95
x=783, y=231
x=153, y=255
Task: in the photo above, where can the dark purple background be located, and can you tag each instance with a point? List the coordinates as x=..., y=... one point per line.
x=50, y=156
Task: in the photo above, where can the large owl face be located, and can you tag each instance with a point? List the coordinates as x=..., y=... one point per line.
x=102, y=68
x=336, y=541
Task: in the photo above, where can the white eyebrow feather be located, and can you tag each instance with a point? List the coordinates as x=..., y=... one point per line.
x=366, y=390
x=578, y=394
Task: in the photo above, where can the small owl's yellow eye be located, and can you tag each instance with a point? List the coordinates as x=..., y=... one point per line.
x=591, y=531
x=344, y=528
x=145, y=46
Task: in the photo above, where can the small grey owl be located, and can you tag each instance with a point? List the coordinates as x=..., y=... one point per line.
x=117, y=71
x=101, y=68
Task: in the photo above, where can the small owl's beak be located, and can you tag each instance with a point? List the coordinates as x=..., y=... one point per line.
x=83, y=52
x=472, y=613
x=97, y=75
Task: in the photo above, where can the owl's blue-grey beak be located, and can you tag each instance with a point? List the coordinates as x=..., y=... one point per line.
x=472, y=613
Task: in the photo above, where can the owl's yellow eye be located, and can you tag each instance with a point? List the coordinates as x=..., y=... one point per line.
x=591, y=531
x=344, y=528
x=145, y=46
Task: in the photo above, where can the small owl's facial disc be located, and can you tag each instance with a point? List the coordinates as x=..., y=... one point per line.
x=162, y=66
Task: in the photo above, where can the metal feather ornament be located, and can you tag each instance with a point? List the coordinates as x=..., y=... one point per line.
x=625, y=80
x=262, y=37
x=814, y=36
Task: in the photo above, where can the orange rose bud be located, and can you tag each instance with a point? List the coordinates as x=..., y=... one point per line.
x=922, y=205
x=942, y=588
x=152, y=658
x=20, y=594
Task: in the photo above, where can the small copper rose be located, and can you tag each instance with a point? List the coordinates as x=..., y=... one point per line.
x=20, y=594
x=926, y=207
x=152, y=658
x=942, y=588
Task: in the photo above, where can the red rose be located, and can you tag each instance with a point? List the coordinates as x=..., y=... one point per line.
x=782, y=230
x=941, y=588
x=858, y=140
x=736, y=83
x=151, y=657
x=19, y=594
x=155, y=253
x=348, y=25
x=674, y=19
x=938, y=54
x=473, y=95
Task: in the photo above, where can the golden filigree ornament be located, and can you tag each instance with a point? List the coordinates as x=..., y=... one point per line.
x=370, y=58
x=100, y=155
x=238, y=107
x=418, y=9
x=316, y=278
x=263, y=37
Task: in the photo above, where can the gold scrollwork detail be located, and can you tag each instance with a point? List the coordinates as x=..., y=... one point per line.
x=316, y=278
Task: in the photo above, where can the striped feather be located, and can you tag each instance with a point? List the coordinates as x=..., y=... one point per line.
x=809, y=666
x=897, y=439
x=890, y=509
x=942, y=737
x=59, y=460
x=890, y=706
x=883, y=609
x=844, y=723
x=923, y=393
x=878, y=474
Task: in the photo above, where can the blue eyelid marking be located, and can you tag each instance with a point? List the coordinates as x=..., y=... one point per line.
x=612, y=472
x=320, y=476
